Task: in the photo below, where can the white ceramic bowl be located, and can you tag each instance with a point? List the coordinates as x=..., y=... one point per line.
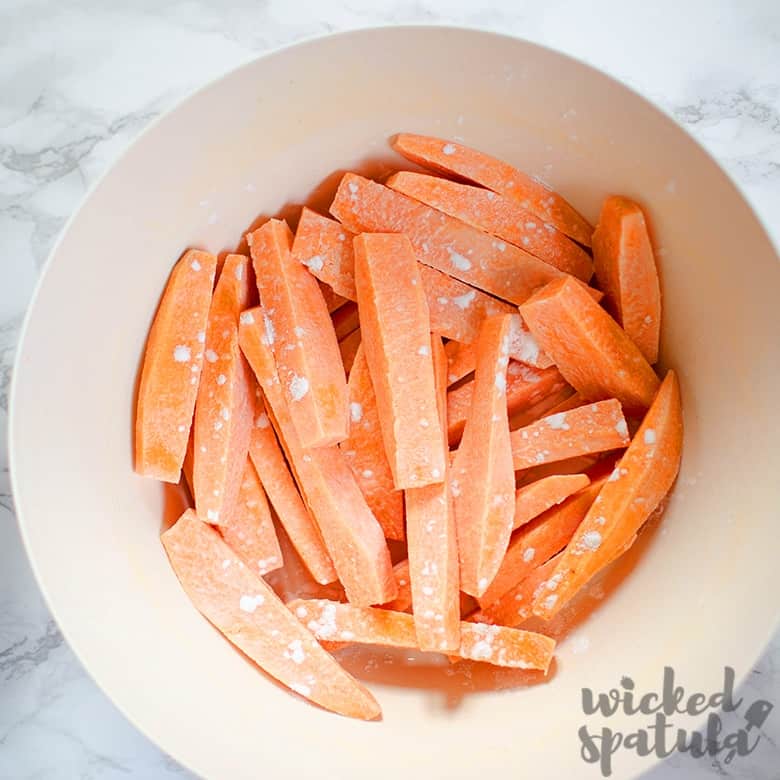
x=704, y=592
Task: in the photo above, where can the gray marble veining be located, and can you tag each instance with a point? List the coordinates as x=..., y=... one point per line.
x=80, y=78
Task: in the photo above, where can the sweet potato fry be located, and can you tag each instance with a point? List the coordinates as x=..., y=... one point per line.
x=496, y=645
x=482, y=477
x=432, y=542
x=172, y=366
x=584, y=430
x=642, y=477
x=589, y=348
x=251, y=616
x=497, y=215
x=304, y=343
x=625, y=269
x=225, y=406
x=454, y=158
x=395, y=330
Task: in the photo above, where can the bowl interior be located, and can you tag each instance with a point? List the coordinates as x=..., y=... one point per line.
x=262, y=139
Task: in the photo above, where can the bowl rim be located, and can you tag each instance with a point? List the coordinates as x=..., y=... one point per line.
x=192, y=94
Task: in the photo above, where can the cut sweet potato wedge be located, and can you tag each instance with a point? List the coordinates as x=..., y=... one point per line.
x=250, y=528
x=225, y=408
x=441, y=241
x=251, y=616
x=432, y=542
x=584, y=430
x=589, y=348
x=539, y=496
x=497, y=215
x=302, y=337
x=268, y=459
x=348, y=348
x=365, y=452
x=172, y=366
x=625, y=269
x=482, y=477
x=641, y=479
x=525, y=387
x=535, y=542
x=395, y=329
x=351, y=533
x=495, y=645
x=325, y=248
x=455, y=158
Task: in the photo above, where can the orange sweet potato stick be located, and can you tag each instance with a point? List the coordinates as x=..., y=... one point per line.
x=345, y=320
x=302, y=337
x=403, y=600
x=495, y=645
x=432, y=542
x=251, y=616
x=351, y=532
x=325, y=248
x=441, y=241
x=535, y=542
x=268, y=459
x=225, y=406
x=539, y=496
x=589, y=348
x=525, y=386
x=454, y=158
x=642, y=477
x=365, y=452
x=395, y=329
x=482, y=477
x=348, y=348
x=172, y=368
x=514, y=607
x=625, y=269
x=587, y=429
x=456, y=309
x=497, y=215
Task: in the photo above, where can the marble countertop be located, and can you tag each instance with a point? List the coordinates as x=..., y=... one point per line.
x=79, y=79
